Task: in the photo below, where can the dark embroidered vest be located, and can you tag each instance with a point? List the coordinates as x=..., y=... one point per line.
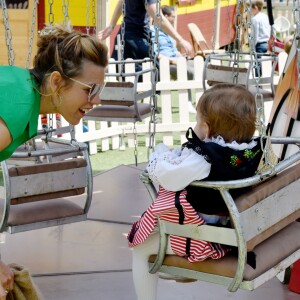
x=226, y=164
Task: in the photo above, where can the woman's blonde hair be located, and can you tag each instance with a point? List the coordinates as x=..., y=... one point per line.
x=63, y=49
x=230, y=112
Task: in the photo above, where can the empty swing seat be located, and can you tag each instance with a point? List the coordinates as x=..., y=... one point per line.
x=40, y=195
x=219, y=68
x=120, y=102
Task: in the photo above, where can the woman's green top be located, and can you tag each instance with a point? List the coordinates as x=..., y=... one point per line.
x=19, y=106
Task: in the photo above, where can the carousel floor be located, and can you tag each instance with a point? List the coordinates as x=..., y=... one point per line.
x=91, y=260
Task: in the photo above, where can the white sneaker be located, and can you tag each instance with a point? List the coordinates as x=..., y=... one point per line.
x=191, y=107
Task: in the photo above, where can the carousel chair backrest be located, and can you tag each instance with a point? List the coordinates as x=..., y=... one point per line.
x=199, y=42
x=220, y=68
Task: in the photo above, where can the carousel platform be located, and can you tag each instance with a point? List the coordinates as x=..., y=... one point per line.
x=91, y=260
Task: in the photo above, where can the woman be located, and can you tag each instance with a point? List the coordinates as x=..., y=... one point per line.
x=67, y=78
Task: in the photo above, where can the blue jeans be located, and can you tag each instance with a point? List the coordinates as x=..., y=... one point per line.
x=137, y=43
x=260, y=48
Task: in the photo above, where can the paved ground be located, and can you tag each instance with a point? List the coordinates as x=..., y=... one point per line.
x=91, y=260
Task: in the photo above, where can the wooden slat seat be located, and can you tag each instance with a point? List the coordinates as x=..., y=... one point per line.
x=34, y=212
x=122, y=113
x=224, y=74
x=58, y=175
x=118, y=93
x=39, y=195
x=252, y=198
x=220, y=68
x=121, y=102
x=268, y=254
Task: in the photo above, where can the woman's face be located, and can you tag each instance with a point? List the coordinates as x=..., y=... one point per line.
x=74, y=98
x=201, y=128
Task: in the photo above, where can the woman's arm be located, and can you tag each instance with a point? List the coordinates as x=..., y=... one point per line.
x=5, y=137
x=170, y=30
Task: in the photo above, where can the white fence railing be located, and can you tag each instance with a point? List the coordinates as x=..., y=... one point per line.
x=110, y=135
x=113, y=135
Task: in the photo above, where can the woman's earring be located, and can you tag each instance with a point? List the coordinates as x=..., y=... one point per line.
x=60, y=100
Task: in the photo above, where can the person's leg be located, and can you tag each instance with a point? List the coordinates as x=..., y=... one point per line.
x=190, y=75
x=173, y=72
x=136, y=44
x=260, y=48
x=145, y=284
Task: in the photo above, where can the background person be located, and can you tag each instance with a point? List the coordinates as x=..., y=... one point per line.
x=137, y=35
x=167, y=48
x=261, y=29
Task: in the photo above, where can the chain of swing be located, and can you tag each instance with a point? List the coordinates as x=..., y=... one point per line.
x=296, y=15
x=244, y=5
x=8, y=34
x=154, y=74
x=88, y=27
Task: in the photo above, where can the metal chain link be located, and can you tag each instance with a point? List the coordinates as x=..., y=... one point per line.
x=51, y=116
x=8, y=35
x=135, y=143
x=229, y=26
x=259, y=100
x=88, y=27
x=154, y=77
x=51, y=14
x=65, y=9
x=122, y=45
x=296, y=14
x=32, y=32
x=94, y=17
x=237, y=44
x=214, y=26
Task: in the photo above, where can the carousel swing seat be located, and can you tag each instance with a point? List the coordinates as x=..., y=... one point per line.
x=263, y=221
x=264, y=217
x=220, y=68
x=121, y=101
x=42, y=194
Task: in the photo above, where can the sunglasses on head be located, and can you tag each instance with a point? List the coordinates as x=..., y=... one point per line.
x=95, y=88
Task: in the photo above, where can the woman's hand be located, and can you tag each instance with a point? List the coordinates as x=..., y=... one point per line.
x=6, y=279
